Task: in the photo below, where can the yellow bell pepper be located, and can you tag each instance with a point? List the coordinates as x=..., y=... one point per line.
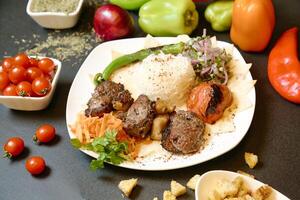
x=253, y=23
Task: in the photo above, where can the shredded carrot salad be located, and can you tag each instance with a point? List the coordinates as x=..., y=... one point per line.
x=86, y=129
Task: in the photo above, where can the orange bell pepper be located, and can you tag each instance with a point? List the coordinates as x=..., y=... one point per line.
x=253, y=23
x=284, y=66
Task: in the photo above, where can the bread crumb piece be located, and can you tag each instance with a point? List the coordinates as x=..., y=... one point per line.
x=251, y=159
x=245, y=174
x=226, y=188
x=168, y=195
x=262, y=193
x=177, y=189
x=126, y=186
x=193, y=181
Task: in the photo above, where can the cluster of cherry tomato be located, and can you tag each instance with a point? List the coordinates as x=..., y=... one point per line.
x=25, y=76
x=15, y=146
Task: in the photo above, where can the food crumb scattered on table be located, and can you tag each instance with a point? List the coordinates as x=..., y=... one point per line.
x=251, y=159
x=193, y=181
x=126, y=186
x=177, y=189
x=168, y=195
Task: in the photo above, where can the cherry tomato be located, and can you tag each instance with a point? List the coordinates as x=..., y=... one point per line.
x=33, y=73
x=22, y=60
x=34, y=62
x=41, y=86
x=13, y=147
x=4, y=80
x=44, y=133
x=10, y=90
x=46, y=65
x=35, y=165
x=24, y=89
x=17, y=74
x=7, y=63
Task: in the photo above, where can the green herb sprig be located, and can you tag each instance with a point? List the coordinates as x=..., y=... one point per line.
x=109, y=149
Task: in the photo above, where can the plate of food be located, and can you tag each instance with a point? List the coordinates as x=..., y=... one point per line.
x=160, y=103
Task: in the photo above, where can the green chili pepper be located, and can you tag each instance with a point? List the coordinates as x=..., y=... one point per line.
x=219, y=14
x=137, y=56
x=168, y=17
x=129, y=4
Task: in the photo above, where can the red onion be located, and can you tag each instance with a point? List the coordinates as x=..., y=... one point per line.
x=112, y=22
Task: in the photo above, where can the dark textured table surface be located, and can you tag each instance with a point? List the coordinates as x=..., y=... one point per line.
x=273, y=135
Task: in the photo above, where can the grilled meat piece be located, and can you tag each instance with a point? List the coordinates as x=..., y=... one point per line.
x=209, y=101
x=108, y=96
x=184, y=133
x=140, y=117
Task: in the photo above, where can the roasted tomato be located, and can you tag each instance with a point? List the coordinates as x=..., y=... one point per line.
x=209, y=101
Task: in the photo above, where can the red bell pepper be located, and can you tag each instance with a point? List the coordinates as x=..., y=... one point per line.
x=284, y=66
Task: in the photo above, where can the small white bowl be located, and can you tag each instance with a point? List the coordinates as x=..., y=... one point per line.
x=208, y=182
x=55, y=20
x=32, y=103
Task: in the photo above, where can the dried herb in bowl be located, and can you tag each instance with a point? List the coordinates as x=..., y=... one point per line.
x=63, y=6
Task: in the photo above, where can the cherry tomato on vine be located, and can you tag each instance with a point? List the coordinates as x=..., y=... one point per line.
x=24, y=89
x=22, y=60
x=10, y=90
x=4, y=80
x=41, y=86
x=44, y=133
x=34, y=62
x=33, y=73
x=46, y=65
x=35, y=165
x=17, y=74
x=7, y=63
x=13, y=147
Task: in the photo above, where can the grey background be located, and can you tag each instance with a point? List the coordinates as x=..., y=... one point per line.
x=274, y=134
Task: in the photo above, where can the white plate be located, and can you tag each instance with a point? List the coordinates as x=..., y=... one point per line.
x=208, y=182
x=82, y=88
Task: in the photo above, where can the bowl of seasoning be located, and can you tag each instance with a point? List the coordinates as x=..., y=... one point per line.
x=55, y=14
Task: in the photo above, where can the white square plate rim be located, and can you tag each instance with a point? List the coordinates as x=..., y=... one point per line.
x=94, y=64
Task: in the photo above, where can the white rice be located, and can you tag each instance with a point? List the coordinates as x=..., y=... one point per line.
x=162, y=76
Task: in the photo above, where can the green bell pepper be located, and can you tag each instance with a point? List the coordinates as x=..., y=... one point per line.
x=219, y=14
x=129, y=4
x=168, y=17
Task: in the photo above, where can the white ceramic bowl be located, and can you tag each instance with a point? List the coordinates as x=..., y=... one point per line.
x=55, y=20
x=208, y=181
x=32, y=103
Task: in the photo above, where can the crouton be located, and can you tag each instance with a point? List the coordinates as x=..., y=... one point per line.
x=226, y=188
x=126, y=186
x=262, y=193
x=155, y=198
x=177, y=189
x=193, y=181
x=251, y=159
x=168, y=195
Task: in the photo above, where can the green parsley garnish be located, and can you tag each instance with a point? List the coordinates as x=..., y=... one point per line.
x=109, y=149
